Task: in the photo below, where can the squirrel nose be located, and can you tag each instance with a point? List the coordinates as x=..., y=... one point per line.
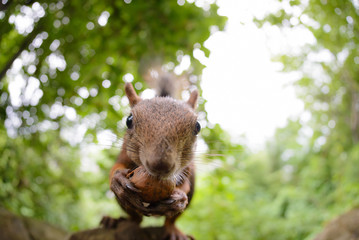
x=160, y=167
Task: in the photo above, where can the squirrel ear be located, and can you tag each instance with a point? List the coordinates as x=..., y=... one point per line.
x=192, y=101
x=131, y=94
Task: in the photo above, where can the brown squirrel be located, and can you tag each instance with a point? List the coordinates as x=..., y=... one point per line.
x=161, y=135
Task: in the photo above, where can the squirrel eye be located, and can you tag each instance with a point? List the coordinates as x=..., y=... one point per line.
x=197, y=128
x=129, y=121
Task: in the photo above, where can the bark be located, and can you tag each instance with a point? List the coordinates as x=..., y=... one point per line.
x=126, y=230
x=345, y=227
x=13, y=227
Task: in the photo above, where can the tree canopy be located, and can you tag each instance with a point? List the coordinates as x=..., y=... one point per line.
x=63, y=65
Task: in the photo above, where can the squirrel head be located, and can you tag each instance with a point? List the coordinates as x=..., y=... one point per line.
x=161, y=133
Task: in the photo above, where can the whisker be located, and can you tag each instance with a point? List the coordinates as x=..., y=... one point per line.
x=213, y=154
x=221, y=151
x=109, y=145
x=201, y=165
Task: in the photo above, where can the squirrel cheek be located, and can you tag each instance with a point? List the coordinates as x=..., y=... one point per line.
x=134, y=157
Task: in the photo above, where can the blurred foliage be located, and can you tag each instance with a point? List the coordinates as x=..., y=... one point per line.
x=306, y=175
x=308, y=172
x=63, y=66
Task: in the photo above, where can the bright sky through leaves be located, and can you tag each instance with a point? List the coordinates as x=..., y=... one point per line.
x=246, y=93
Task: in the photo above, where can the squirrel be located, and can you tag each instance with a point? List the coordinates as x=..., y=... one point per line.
x=161, y=135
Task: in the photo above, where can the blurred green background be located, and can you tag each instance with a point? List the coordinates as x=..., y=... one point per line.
x=62, y=109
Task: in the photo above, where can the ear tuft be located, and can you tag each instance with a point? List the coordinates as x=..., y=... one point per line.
x=192, y=101
x=131, y=94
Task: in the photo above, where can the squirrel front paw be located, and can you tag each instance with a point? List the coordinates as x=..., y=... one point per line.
x=109, y=222
x=172, y=232
x=127, y=194
x=124, y=190
x=172, y=206
x=129, y=199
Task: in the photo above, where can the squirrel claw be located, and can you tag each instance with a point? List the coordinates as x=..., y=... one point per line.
x=169, y=207
x=173, y=233
x=121, y=181
x=168, y=201
x=109, y=222
x=132, y=187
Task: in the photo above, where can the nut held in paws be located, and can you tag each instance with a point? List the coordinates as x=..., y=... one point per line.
x=152, y=188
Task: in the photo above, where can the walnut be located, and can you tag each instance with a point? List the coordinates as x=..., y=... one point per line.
x=152, y=189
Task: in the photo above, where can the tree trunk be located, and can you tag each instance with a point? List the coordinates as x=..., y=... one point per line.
x=126, y=230
x=13, y=227
x=345, y=227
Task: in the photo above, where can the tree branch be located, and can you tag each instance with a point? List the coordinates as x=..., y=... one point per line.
x=5, y=6
x=26, y=42
x=126, y=230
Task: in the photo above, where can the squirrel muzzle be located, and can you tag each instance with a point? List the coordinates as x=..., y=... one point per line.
x=159, y=163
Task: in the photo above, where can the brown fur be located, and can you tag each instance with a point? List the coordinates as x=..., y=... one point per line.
x=165, y=83
x=131, y=94
x=162, y=133
x=162, y=139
